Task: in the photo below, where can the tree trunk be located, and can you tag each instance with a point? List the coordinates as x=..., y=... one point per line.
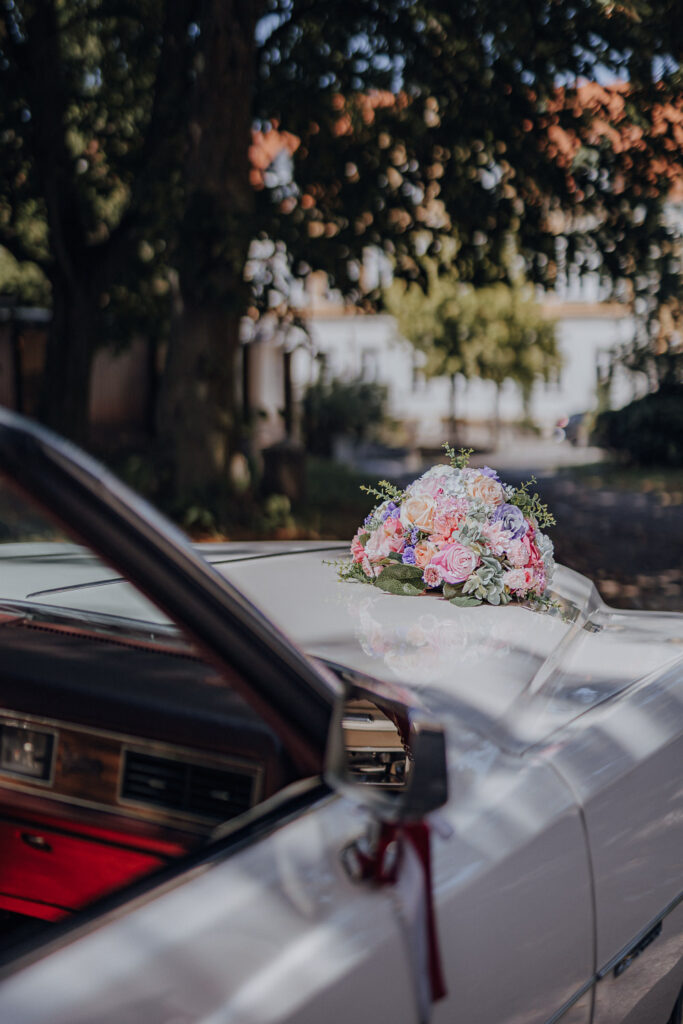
x=198, y=417
x=68, y=361
x=198, y=399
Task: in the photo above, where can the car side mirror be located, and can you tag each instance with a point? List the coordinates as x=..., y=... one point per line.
x=386, y=755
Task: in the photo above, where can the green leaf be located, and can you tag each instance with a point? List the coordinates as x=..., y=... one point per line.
x=364, y=538
x=465, y=602
x=399, y=587
x=401, y=572
x=449, y=591
x=394, y=557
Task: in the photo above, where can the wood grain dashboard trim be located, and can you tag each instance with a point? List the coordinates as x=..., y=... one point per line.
x=87, y=769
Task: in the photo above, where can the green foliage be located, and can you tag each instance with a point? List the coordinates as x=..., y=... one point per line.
x=459, y=459
x=398, y=587
x=496, y=332
x=336, y=407
x=466, y=152
x=531, y=504
x=348, y=571
x=405, y=580
x=384, y=491
x=23, y=283
x=646, y=432
x=423, y=129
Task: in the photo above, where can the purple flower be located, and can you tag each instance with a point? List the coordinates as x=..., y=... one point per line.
x=368, y=520
x=511, y=519
x=487, y=471
x=391, y=511
x=414, y=536
x=408, y=556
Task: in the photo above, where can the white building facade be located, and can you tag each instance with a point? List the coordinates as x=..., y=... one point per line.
x=348, y=345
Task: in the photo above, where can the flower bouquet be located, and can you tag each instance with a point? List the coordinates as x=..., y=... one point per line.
x=458, y=531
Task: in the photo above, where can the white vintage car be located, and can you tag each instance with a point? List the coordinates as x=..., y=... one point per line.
x=458, y=814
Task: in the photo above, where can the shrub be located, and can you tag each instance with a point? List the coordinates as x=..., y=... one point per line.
x=335, y=407
x=647, y=431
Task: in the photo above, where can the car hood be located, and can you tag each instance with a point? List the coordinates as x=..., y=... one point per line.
x=511, y=673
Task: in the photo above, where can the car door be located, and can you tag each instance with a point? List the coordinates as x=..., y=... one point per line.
x=264, y=923
x=623, y=760
x=267, y=928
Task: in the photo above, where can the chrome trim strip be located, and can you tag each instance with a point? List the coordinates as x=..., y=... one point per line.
x=571, y=1001
x=630, y=946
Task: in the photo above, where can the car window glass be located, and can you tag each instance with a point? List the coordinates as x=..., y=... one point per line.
x=121, y=748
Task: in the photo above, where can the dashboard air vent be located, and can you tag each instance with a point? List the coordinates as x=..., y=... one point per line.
x=182, y=786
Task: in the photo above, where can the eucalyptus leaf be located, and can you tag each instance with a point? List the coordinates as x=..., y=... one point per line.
x=449, y=591
x=465, y=602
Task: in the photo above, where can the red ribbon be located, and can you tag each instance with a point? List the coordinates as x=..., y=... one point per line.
x=383, y=865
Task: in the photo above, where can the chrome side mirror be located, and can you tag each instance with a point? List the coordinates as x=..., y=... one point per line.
x=385, y=755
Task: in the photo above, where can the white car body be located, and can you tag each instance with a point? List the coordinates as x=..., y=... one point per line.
x=557, y=860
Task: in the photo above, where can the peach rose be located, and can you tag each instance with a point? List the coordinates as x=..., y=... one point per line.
x=424, y=552
x=455, y=562
x=487, y=489
x=418, y=512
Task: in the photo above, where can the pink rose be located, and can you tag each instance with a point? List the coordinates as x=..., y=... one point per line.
x=357, y=549
x=456, y=562
x=393, y=527
x=386, y=538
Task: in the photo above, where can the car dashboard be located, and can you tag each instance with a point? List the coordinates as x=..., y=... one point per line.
x=117, y=755
x=123, y=751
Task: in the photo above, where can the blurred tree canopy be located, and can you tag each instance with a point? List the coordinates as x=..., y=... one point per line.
x=496, y=332
x=125, y=134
